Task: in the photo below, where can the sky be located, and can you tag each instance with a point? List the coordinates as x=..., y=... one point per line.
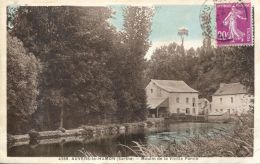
x=166, y=22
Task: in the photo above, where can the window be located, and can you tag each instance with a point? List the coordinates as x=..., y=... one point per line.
x=194, y=111
x=187, y=111
x=187, y=100
x=220, y=99
x=177, y=99
x=151, y=90
x=221, y=110
x=216, y=110
x=178, y=110
x=193, y=102
x=232, y=100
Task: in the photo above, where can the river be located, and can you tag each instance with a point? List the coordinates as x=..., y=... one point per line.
x=112, y=145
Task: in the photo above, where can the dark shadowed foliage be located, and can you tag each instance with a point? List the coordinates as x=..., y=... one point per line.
x=204, y=69
x=22, y=86
x=91, y=73
x=74, y=46
x=130, y=64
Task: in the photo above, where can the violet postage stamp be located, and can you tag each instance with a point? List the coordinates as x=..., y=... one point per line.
x=234, y=24
x=129, y=81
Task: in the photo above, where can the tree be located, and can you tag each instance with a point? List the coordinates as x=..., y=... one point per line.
x=128, y=80
x=207, y=26
x=11, y=13
x=168, y=62
x=205, y=68
x=22, y=85
x=74, y=45
x=182, y=32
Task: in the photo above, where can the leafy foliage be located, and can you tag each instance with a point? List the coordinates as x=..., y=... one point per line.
x=74, y=46
x=90, y=71
x=22, y=85
x=205, y=68
x=129, y=64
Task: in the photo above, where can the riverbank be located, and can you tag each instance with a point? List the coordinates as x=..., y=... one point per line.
x=237, y=142
x=112, y=144
x=81, y=133
x=92, y=132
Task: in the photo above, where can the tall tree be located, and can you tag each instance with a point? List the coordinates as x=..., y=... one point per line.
x=182, y=32
x=22, y=86
x=207, y=24
x=129, y=84
x=74, y=45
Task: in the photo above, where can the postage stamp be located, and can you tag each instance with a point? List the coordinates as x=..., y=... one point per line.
x=233, y=24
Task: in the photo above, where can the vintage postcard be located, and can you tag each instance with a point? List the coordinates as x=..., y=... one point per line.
x=129, y=81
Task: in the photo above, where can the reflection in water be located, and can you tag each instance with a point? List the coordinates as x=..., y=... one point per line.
x=182, y=131
x=111, y=146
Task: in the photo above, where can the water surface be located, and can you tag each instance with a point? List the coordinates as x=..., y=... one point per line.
x=112, y=145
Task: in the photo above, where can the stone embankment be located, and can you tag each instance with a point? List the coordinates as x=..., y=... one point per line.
x=83, y=131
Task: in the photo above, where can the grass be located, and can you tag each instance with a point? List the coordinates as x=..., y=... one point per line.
x=238, y=143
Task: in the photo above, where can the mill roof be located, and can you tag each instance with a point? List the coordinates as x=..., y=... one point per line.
x=230, y=89
x=156, y=102
x=174, y=86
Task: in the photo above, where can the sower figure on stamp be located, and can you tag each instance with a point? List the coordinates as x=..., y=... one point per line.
x=231, y=21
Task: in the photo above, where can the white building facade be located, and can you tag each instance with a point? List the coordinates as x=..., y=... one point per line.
x=232, y=98
x=171, y=96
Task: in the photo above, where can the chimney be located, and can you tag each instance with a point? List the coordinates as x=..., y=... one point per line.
x=221, y=85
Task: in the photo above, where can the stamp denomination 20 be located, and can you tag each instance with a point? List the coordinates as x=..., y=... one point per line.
x=233, y=24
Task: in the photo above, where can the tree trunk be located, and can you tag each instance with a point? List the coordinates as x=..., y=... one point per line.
x=61, y=118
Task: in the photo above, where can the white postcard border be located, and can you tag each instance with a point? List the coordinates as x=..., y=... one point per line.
x=3, y=135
